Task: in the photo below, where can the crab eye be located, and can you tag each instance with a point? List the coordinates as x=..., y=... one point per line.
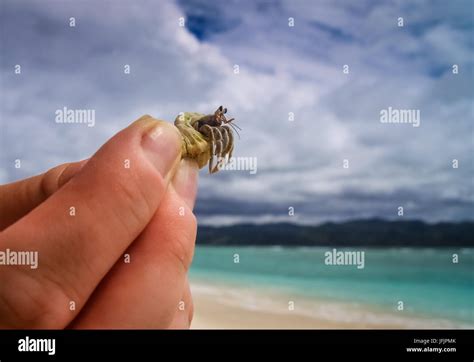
x=220, y=108
x=225, y=110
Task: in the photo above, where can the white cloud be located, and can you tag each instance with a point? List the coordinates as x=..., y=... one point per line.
x=282, y=70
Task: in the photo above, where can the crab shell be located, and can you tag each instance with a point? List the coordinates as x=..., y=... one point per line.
x=206, y=144
x=195, y=145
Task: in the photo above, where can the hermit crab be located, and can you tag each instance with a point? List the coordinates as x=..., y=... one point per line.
x=207, y=138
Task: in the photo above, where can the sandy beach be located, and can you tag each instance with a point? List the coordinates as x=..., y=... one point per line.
x=217, y=306
x=214, y=314
x=292, y=288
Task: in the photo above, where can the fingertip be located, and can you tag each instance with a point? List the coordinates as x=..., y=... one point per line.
x=161, y=143
x=70, y=171
x=147, y=123
x=56, y=177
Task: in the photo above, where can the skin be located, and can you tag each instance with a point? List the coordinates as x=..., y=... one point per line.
x=144, y=211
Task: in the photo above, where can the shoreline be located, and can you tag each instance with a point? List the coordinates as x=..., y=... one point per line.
x=218, y=306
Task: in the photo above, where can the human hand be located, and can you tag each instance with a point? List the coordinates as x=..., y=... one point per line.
x=131, y=201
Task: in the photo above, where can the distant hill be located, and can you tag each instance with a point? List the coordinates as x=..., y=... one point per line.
x=373, y=232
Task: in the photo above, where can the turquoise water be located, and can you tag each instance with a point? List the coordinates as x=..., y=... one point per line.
x=426, y=280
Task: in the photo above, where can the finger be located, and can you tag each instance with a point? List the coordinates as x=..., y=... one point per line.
x=19, y=198
x=190, y=303
x=155, y=276
x=82, y=229
x=184, y=314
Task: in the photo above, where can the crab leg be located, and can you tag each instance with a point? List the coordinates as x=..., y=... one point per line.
x=225, y=139
x=207, y=131
x=218, y=148
x=231, y=142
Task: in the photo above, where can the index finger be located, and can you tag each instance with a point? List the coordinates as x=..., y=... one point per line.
x=20, y=197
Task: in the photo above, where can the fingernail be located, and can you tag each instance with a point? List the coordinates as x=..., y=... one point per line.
x=185, y=181
x=162, y=147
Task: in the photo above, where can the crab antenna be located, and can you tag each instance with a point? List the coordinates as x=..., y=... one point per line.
x=229, y=121
x=232, y=125
x=237, y=126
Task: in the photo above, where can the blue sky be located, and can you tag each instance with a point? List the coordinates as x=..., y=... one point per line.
x=282, y=69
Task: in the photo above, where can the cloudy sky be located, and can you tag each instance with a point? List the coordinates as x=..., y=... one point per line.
x=283, y=69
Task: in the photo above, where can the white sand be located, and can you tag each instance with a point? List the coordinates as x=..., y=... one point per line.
x=219, y=306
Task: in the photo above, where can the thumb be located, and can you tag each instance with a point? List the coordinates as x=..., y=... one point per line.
x=82, y=229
